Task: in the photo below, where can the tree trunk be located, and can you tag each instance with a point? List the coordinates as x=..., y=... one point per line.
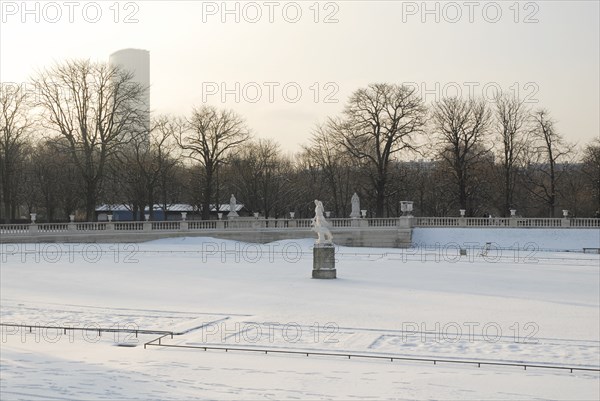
x=462, y=191
x=90, y=201
x=380, y=199
x=7, y=207
x=6, y=193
x=151, y=203
x=507, y=192
x=49, y=210
x=552, y=198
x=207, y=195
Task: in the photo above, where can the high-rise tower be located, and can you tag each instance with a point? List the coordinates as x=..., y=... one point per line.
x=136, y=61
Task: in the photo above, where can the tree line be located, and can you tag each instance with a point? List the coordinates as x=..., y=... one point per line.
x=84, y=140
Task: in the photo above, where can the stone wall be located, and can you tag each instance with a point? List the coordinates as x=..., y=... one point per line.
x=355, y=236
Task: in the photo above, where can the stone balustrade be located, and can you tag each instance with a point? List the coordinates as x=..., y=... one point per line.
x=259, y=223
x=394, y=232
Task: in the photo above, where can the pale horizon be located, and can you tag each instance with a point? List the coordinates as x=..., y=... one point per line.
x=553, y=63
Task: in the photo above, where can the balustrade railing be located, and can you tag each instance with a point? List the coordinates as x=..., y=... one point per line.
x=585, y=222
x=486, y=222
x=382, y=222
x=303, y=223
x=435, y=222
x=204, y=225
x=539, y=222
x=128, y=226
x=90, y=226
x=165, y=225
x=295, y=224
x=340, y=223
x=52, y=227
x=14, y=229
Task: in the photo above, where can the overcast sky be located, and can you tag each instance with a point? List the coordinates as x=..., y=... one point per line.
x=548, y=51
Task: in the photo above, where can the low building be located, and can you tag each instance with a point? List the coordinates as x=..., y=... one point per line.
x=172, y=213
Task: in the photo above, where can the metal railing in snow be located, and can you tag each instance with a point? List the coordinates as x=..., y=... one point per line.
x=349, y=355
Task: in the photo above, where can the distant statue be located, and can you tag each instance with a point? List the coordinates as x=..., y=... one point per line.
x=355, y=206
x=320, y=225
x=232, y=207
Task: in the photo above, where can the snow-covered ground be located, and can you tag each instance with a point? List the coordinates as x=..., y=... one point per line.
x=534, y=239
x=522, y=306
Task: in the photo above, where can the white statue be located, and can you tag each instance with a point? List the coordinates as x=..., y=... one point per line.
x=232, y=207
x=320, y=225
x=355, y=206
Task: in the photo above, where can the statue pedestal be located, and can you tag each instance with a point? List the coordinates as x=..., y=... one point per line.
x=324, y=261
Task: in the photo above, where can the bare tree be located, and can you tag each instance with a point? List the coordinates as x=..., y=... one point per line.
x=124, y=183
x=379, y=122
x=46, y=175
x=512, y=129
x=432, y=188
x=147, y=160
x=29, y=194
x=573, y=190
x=336, y=166
x=167, y=159
x=461, y=127
x=53, y=180
x=591, y=171
x=15, y=124
x=308, y=182
x=260, y=174
x=210, y=136
x=548, y=150
x=96, y=108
